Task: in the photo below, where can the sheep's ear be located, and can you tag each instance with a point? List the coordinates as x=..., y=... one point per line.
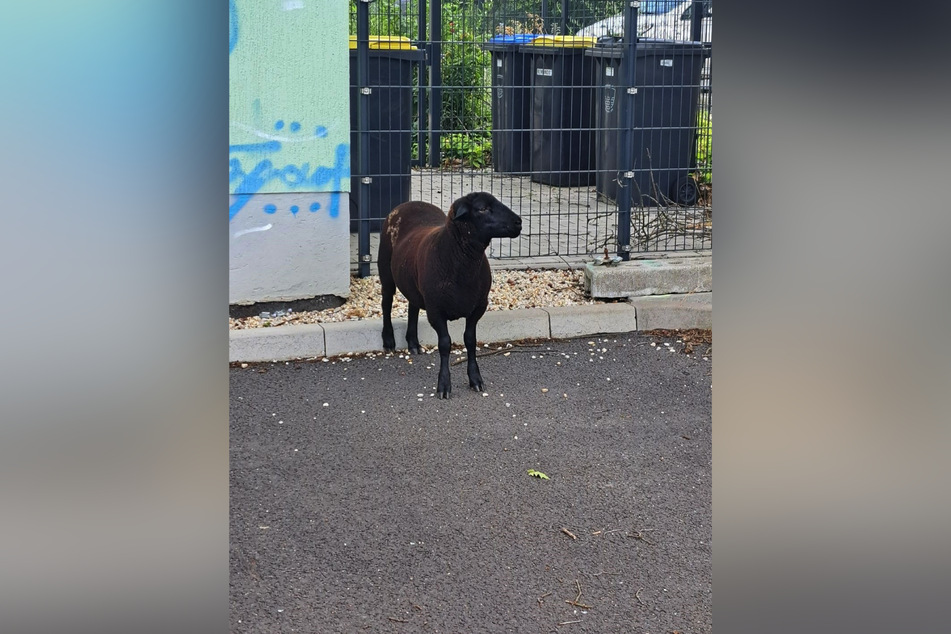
x=460, y=208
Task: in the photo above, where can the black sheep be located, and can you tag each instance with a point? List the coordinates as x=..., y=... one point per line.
x=439, y=265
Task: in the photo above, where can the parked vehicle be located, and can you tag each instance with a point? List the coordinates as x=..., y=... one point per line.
x=660, y=19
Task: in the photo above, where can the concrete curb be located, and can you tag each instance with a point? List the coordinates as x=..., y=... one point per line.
x=283, y=343
x=674, y=312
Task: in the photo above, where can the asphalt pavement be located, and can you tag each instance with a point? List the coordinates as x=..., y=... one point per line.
x=362, y=503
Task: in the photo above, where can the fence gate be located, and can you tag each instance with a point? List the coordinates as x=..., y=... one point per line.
x=591, y=119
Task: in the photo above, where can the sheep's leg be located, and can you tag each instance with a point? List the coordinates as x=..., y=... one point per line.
x=444, y=385
x=475, y=377
x=389, y=289
x=412, y=329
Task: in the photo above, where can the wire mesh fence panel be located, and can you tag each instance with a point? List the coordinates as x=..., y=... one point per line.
x=522, y=98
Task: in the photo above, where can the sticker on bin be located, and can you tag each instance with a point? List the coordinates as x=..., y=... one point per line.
x=610, y=96
x=543, y=72
x=669, y=63
x=609, y=71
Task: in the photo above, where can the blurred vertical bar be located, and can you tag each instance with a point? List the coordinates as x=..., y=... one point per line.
x=626, y=132
x=363, y=73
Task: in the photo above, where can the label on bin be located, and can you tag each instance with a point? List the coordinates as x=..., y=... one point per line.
x=610, y=95
x=544, y=72
x=609, y=71
x=498, y=63
x=667, y=62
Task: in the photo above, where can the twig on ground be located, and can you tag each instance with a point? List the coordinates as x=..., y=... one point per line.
x=514, y=348
x=395, y=620
x=567, y=622
x=569, y=533
x=639, y=535
x=539, y=599
x=576, y=602
x=637, y=595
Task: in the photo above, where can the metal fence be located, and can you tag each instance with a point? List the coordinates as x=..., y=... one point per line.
x=538, y=103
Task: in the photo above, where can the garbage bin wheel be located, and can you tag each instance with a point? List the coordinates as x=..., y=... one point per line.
x=686, y=191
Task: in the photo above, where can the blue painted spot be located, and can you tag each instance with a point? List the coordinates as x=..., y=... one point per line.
x=315, y=206
x=278, y=125
x=294, y=176
x=267, y=146
x=269, y=209
x=320, y=132
x=295, y=126
x=294, y=209
x=233, y=25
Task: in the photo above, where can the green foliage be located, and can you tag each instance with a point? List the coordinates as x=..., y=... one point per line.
x=538, y=474
x=465, y=66
x=705, y=146
x=472, y=149
x=387, y=19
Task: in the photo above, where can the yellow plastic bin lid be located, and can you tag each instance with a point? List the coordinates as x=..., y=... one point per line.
x=387, y=42
x=564, y=41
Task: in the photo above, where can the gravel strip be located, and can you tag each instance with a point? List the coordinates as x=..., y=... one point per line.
x=510, y=290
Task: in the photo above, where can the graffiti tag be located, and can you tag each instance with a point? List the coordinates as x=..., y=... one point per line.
x=293, y=177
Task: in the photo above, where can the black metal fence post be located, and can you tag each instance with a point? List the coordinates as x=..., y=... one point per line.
x=564, y=17
x=696, y=20
x=626, y=132
x=435, y=81
x=363, y=136
x=421, y=84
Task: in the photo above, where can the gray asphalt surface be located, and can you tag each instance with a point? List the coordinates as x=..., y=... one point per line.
x=358, y=505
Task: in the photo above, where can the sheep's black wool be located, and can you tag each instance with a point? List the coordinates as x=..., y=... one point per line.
x=438, y=262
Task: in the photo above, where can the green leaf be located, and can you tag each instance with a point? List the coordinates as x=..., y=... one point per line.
x=538, y=474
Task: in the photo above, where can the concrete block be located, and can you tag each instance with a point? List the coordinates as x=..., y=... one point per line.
x=674, y=311
x=284, y=256
x=511, y=325
x=578, y=321
x=495, y=326
x=345, y=337
x=638, y=278
x=276, y=344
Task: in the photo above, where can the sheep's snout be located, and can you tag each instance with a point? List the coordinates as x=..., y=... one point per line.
x=503, y=222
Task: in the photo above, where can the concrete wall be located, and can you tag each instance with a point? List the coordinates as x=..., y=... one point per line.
x=289, y=154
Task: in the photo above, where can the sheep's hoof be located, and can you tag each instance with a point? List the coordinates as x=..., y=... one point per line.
x=443, y=387
x=415, y=349
x=477, y=386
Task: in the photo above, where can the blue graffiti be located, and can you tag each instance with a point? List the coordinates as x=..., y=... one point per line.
x=291, y=176
x=232, y=26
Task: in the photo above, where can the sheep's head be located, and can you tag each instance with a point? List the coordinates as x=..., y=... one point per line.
x=488, y=217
